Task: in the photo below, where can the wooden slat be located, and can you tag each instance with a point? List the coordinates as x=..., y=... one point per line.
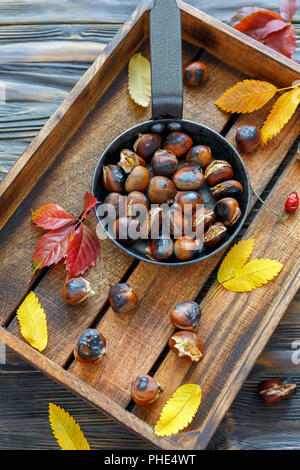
x=236, y=326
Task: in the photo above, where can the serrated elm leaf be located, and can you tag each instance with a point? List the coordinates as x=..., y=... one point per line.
x=52, y=246
x=89, y=202
x=83, y=251
x=51, y=217
x=288, y=9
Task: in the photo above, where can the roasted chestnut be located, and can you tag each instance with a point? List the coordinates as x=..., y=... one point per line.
x=214, y=234
x=277, y=389
x=117, y=201
x=188, y=345
x=129, y=160
x=164, y=163
x=188, y=200
x=230, y=188
x=126, y=229
x=186, y=315
x=202, y=219
x=248, y=138
x=137, y=180
x=76, y=290
x=217, y=171
x=157, y=128
x=113, y=178
x=160, y=249
x=145, y=390
x=147, y=144
x=135, y=200
x=178, y=143
x=174, y=126
x=187, y=248
x=228, y=210
x=90, y=347
x=151, y=225
x=194, y=73
x=200, y=155
x=188, y=177
x=122, y=298
x=161, y=190
x=179, y=223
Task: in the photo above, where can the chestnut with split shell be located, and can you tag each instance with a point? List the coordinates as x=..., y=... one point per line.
x=188, y=345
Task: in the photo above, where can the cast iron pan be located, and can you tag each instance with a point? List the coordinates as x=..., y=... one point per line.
x=166, y=77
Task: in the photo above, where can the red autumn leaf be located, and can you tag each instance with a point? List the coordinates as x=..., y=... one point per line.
x=89, y=202
x=82, y=252
x=288, y=9
x=256, y=20
x=283, y=41
x=242, y=13
x=272, y=26
x=51, y=216
x=52, y=246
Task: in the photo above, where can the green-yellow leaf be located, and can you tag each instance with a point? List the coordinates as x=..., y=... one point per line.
x=139, y=80
x=253, y=274
x=179, y=411
x=235, y=259
x=33, y=322
x=65, y=429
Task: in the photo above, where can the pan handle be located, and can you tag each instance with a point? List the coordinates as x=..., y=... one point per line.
x=166, y=59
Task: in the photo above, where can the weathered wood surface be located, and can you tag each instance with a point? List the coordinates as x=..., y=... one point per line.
x=40, y=54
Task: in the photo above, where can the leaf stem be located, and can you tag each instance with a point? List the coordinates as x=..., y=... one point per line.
x=280, y=217
x=215, y=291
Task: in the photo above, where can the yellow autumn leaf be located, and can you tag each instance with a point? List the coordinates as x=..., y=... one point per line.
x=33, y=322
x=253, y=274
x=235, y=259
x=246, y=96
x=280, y=114
x=139, y=80
x=179, y=411
x=65, y=429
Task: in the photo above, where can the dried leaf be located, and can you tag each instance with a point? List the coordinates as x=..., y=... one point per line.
x=139, y=80
x=179, y=411
x=253, y=274
x=235, y=259
x=51, y=216
x=82, y=252
x=242, y=13
x=256, y=20
x=65, y=429
x=89, y=203
x=281, y=113
x=52, y=246
x=33, y=322
x=273, y=26
x=283, y=41
x=246, y=96
x=288, y=9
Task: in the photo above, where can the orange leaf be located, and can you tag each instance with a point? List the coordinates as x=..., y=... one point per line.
x=281, y=113
x=246, y=96
x=256, y=20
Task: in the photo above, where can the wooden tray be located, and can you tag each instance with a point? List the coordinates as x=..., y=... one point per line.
x=58, y=167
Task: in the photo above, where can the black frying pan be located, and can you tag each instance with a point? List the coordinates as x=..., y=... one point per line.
x=166, y=77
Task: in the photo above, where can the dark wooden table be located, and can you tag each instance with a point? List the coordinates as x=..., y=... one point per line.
x=44, y=48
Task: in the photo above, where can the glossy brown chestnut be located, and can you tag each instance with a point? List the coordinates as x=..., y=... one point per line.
x=126, y=229
x=188, y=177
x=214, y=234
x=187, y=248
x=178, y=143
x=248, y=138
x=113, y=178
x=277, y=389
x=117, y=201
x=135, y=200
x=90, y=347
x=147, y=144
x=188, y=201
x=137, y=180
x=150, y=226
x=228, y=211
x=122, y=298
x=179, y=223
x=161, y=190
x=186, y=315
x=200, y=155
x=164, y=163
x=129, y=160
x=202, y=219
x=194, y=73
x=160, y=249
x=145, y=390
x=217, y=171
x=188, y=345
x=76, y=291
x=229, y=188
